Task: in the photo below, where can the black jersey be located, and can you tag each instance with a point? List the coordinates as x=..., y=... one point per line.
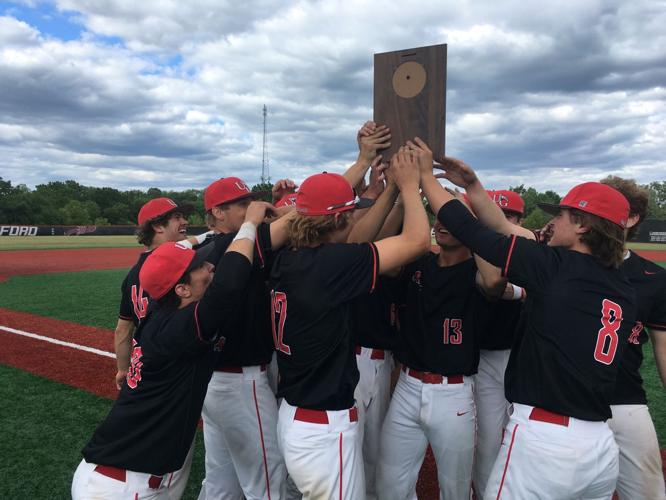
x=577, y=319
x=372, y=318
x=500, y=327
x=152, y=423
x=649, y=280
x=253, y=343
x=133, y=300
x=439, y=327
x=313, y=290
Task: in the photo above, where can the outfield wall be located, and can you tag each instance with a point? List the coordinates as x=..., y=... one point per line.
x=651, y=231
x=16, y=230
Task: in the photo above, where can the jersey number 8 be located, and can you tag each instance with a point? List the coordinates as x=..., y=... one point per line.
x=607, y=339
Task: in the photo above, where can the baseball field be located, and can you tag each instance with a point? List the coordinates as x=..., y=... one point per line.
x=58, y=307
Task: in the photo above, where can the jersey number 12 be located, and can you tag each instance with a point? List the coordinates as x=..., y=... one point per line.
x=279, y=316
x=607, y=339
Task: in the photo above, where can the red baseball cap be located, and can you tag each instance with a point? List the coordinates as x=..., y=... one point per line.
x=326, y=194
x=161, y=206
x=596, y=199
x=286, y=201
x=167, y=264
x=226, y=190
x=508, y=201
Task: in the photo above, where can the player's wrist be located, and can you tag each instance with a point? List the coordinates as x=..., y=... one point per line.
x=247, y=231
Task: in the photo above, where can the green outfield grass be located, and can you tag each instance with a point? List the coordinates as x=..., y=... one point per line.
x=57, y=242
x=87, y=297
x=647, y=246
x=44, y=427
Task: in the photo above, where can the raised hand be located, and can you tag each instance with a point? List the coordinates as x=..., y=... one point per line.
x=282, y=188
x=373, y=142
x=376, y=182
x=257, y=212
x=405, y=168
x=423, y=155
x=457, y=172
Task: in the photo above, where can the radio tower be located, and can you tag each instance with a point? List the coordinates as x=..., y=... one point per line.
x=265, y=175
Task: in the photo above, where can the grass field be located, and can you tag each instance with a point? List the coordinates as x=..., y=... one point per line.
x=44, y=427
x=56, y=242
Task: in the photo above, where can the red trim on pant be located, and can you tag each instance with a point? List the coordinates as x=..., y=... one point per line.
x=508, y=457
x=261, y=434
x=341, y=466
x=320, y=416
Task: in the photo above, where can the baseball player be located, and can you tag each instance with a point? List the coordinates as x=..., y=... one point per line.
x=641, y=476
x=240, y=410
x=433, y=402
x=160, y=220
x=149, y=430
x=579, y=313
x=371, y=316
x=314, y=283
x=496, y=340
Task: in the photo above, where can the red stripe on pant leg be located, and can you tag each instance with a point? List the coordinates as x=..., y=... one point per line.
x=261, y=434
x=508, y=457
x=341, y=466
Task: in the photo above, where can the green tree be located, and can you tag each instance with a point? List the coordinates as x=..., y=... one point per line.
x=657, y=204
x=75, y=213
x=264, y=186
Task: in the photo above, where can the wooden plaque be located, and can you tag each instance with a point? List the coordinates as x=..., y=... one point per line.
x=410, y=96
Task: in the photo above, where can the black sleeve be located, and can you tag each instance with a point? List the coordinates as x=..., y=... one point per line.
x=524, y=262
x=263, y=249
x=221, y=302
x=657, y=315
x=126, y=309
x=221, y=242
x=349, y=270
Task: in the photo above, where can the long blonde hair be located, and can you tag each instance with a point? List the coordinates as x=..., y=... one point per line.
x=311, y=230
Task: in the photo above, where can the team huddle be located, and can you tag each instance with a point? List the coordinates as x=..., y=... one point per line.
x=326, y=343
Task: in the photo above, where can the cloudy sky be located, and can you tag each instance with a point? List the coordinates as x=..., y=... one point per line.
x=168, y=93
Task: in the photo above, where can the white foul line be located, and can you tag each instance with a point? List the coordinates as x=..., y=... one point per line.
x=59, y=342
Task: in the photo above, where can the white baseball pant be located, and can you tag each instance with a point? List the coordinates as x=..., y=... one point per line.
x=373, y=395
x=322, y=451
x=539, y=459
x=96, y=482
x=421, y=412
x=641, y=476
x=240, y=435
x=491, y=413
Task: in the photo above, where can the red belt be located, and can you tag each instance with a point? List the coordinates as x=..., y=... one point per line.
x=375, y=354
x=433, y=378
x=320, y=416
x=154, y=482
x=548, y=416
x=235, y=369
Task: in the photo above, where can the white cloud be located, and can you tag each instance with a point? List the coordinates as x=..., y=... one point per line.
x=542, y=94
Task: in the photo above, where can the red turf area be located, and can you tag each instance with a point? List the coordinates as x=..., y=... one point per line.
x=13, y=263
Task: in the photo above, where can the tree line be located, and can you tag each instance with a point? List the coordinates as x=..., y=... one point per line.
x=70, y=203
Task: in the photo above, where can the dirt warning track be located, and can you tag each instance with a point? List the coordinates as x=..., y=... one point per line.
x=23, y=262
